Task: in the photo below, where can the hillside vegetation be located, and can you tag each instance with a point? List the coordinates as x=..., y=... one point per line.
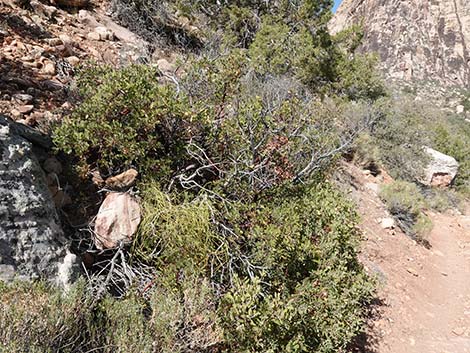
x=245, y=243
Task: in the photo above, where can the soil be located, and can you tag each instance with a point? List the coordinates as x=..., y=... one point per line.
x=423, y=300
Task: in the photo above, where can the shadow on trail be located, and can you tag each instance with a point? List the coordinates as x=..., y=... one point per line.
x=367, y=342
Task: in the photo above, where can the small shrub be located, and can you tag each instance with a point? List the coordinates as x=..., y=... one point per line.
x=127, y=118
x=184, y=319
x=307, y=295
x=366, y=152
x=442, y=200
x=174, y=235
x=400, y=136
x=406, y=203
x=39, y=318
x=452, y=137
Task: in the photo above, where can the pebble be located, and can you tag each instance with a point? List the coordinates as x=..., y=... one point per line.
x=15, y=113
x=104, y=33
x=412, y=271
x=23, y=98
x=26, y=109
x=387, y=223
x=73, y=60
x=49, y=68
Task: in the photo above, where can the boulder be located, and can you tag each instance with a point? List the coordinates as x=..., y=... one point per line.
x=441, y=169
x=387, y=223
x=32, y=243
x=117, y=220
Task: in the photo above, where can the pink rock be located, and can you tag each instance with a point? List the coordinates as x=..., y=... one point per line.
x=25, y=109
x=117, y=220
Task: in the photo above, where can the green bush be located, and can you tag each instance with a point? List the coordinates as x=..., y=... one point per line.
x=309, y=291
x=400, y=135
x=127, y=118
x=38, y=318
x=452, y=137
x=286, y=263
x=406, y=203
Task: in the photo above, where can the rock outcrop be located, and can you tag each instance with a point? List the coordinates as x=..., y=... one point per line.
x=424, y=40
x=32, y=244
x=441, y=169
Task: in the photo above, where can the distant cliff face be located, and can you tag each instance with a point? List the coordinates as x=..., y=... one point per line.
x=426, y=40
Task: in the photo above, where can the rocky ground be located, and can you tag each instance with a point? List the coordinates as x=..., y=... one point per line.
x=42, y=46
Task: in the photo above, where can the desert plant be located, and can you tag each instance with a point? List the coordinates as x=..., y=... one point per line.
x=451, y=137
x=127, y=118
x=400, y=135
x=406, y=203
x=301, y=299
x=39, y=318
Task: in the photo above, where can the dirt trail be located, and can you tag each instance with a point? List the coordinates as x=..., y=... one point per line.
x=425, y=293
x=431, y=309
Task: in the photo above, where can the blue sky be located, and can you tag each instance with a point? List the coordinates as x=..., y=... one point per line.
x=337, y=2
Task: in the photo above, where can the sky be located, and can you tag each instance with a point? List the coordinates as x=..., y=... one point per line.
x=337, y=2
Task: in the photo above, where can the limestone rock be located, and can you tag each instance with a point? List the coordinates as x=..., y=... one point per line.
x=117, y=220
x=73, y=60
x=23, y=98
x=68, y=271
x=49, y=68
x=93, y=36
x=87, y=18
x=42, y=9
x=441, y=170
x=15, y=113
x=416, y=40
x=32, y=243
